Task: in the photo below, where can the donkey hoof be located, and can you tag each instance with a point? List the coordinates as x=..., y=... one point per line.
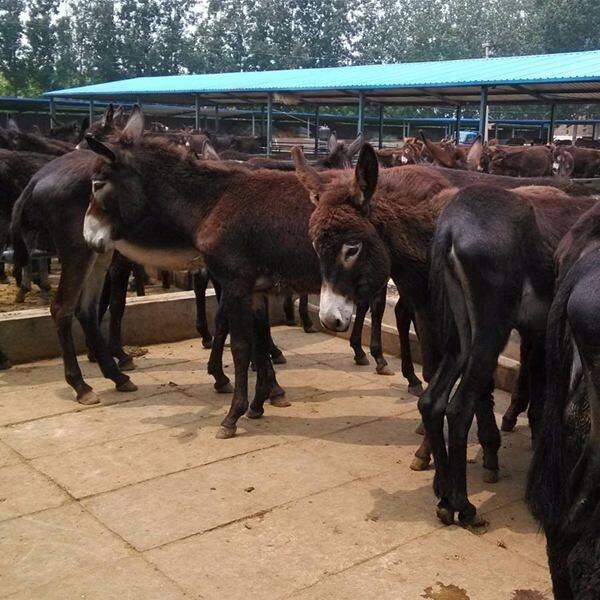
x=126, y=364
x=445, y=515
x=508, y=424
x=490, y=475
x=420, y=429
x=475, y=523
x=224, y=433
x=311, y=329
x=91, y=358
x=362, y=361
x=20, y=297
x=385, y=370
x=416, y=390
x=280, y=402
x=419, y=464
x=280, y=359
x=207, y=343
x=276, y=391
x=253, y=367
x=88, y=398
x=128, y=386
x=225, y=388
x=255, y=414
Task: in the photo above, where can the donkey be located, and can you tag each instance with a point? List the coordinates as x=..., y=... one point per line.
x=491, y=271
x=563, y=488
x=72, y=132
x=31, y=142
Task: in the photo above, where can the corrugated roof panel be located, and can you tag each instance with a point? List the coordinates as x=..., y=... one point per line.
x=549, y=68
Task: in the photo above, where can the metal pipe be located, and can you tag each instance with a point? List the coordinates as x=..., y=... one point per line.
x=253, y=125
x=317, y=127
x=457, y=121
x=361, y=112
x=380, y=126
x=52, y=112
x=269, y=123
x=197, y=111
x=483, y=114
x=91, y=111
x=551, y=126
x=216, y=117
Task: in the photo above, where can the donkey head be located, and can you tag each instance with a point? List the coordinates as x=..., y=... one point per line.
x=117, y=198
x=340, y=155
x=100, y=129
x=354, y=261
x=563, y=163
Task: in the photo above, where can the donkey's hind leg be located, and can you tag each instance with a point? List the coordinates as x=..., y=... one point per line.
x=87, y=315
x=519, y=399
x=404, y=315
x=25, y=283
x=215, y=361
x=75, y=265
x=288, y=309
x=200, y=282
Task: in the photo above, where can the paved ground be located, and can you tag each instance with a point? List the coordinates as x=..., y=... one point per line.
x=137, y=499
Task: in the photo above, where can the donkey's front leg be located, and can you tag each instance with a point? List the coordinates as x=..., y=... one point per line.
x=238, y=306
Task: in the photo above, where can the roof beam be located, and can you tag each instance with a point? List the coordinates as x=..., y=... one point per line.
x=441, y=97
x=524, y=90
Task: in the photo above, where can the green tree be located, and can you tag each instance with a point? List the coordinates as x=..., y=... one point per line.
x=40, y=53
x=11, y=45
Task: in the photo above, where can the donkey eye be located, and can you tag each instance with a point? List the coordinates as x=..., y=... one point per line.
x=350, y=252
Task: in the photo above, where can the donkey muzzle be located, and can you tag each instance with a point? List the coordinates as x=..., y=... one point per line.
x=335, y=310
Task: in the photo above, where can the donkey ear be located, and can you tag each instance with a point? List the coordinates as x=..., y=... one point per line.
x=356, y=145
x=474, y=154
x=365, y=176
x=100, y=148
x=208, y=152
x=306, y=175
x=332, y=142
x=107, y=117
x=134, y=129
x=12, y=126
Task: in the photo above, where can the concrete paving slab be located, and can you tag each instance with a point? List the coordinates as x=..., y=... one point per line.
x=462, y=567
x=38, y=549
x=23, y=490
x=315, y=500
x=163, y=510
x=127, y=579
x=272, y=555
x=94, y=426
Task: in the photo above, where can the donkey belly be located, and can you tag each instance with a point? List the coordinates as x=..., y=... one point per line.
x=170, y=259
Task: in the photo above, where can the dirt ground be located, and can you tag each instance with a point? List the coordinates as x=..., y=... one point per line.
x=135, y=498
x=33, y=299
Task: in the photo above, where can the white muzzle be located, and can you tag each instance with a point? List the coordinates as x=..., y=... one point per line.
x=335, y=310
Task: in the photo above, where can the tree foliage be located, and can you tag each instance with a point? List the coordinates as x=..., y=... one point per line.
x=59, y=43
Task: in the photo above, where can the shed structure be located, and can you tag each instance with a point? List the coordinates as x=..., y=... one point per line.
x=548, y=79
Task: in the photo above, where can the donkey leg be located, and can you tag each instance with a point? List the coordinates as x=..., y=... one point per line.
x=519, y=399
x=307, y=323
x=360, y=357
x=74, y=267
x=119, y=279
x=288, y=310
x=25, y=285
x=536, y=376
x=488, y=434
x=404, y=315
x=200, y=282
x=3, y=276
x=43, y=283
x=377, y=306
x=274, y=356
x=239, y=311
x=215, y=361
x=139, y=278
x=87, y=314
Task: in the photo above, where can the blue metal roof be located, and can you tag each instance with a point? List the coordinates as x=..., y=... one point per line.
x=574, y=75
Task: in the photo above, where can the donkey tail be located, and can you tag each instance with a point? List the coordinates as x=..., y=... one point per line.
x=445, y=334
x=18, y=226
x=547, y=489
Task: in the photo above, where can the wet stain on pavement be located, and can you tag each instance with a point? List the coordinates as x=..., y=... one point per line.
x=445, y=592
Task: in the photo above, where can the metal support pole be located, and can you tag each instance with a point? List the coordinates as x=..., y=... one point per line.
x=253, y=125
x=551, y=126
x=496, y=130
x=457, y=122
x=91, y=111
x=197, y=112
x=216, y=118
x=139, y=101
x=317, y=127
x=52, y=112
x=380, y=126
x=269, y=123
x=361, y=113
x=483, y=114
